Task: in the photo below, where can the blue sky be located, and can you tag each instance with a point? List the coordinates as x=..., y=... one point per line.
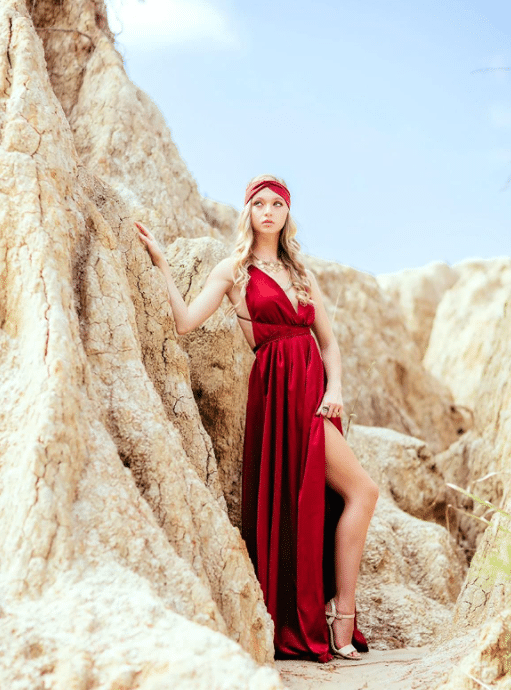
x=390, y=122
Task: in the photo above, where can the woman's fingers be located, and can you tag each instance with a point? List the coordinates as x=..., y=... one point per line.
x=144, y=231
x=325, y=409
x=320, y=410
x=334, y=409
x=150, y=244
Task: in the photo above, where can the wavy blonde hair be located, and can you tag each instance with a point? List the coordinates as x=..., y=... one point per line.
x=288, y=252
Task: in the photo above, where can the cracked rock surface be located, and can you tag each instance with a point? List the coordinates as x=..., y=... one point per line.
x=103, y=510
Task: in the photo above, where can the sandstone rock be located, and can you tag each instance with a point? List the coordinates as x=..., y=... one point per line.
x=418, y=291
x=408, y=582
x=382, y=371
x=488, y=664
x=486, y=594
x=397, y=462
x=220, y=216
x=220, y=361
x=468, y=350
x=411, y=570
x=91, y=381
x=105, y=627
x=464, y=328
x=119, y=132
x=470, y=346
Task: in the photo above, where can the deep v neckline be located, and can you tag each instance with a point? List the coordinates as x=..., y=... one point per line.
x=281, y=289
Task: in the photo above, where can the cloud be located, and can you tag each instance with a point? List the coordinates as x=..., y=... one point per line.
x=159, y=23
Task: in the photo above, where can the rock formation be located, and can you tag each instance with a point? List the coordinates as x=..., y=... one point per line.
x=110, y=496
x=487, y=589
x=417, y=292
x=220, y=361
x=470, y=347
x=463, y=332
x=412, y=569
x=466, y=339
x=382, y=371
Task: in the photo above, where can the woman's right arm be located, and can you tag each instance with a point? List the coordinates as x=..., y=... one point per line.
x=188, y=317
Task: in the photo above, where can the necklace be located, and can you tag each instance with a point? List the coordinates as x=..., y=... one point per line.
x=272, y=267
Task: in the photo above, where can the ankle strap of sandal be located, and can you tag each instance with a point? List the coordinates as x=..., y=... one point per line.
x=333, y=613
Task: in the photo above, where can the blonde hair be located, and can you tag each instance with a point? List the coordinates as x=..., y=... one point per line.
x=288, y=252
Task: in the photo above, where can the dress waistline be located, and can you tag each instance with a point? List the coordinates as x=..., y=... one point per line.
x=304, y=330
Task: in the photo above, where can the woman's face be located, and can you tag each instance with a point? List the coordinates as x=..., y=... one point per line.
x=269, y=212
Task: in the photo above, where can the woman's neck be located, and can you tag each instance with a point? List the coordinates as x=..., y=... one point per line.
x=266, y=248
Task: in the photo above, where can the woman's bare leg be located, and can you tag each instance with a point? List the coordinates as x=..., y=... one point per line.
x=347, y=477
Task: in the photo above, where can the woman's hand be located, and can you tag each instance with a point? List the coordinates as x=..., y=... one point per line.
x=333, y=401
x=156, y=254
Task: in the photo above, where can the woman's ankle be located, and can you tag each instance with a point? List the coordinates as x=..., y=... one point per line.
x=344, y=605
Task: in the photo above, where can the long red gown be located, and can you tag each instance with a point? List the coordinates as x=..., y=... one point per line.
x=289, y=515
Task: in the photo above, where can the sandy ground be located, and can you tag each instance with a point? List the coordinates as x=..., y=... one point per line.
x=395, y=669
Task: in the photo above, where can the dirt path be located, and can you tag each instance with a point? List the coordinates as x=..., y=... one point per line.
x=394, y=669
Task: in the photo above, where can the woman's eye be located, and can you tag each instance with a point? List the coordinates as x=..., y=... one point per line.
x=278, y=203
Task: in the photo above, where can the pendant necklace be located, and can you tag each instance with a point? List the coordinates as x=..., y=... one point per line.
x=271, y=267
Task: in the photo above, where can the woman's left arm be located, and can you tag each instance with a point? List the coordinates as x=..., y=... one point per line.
x=330, y=354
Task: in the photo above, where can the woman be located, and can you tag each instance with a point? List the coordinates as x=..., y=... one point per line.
x=306, y=501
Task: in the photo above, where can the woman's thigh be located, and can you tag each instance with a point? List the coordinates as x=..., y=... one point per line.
x=344, y=473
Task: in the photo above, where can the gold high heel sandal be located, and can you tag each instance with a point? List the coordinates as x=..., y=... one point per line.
x=348, y=649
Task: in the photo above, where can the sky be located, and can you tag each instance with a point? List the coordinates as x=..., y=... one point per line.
x=389, y=121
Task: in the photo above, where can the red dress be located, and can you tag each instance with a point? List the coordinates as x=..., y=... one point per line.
x=289, y=515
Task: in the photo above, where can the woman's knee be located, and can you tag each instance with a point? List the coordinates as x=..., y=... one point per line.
x=373, y=491
x=368, y=494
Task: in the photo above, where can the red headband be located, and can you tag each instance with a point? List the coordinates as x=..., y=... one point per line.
x=275, y=186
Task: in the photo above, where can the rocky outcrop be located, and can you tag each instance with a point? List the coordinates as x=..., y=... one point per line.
x=220, y=361
x=480, y=464
x=464, y=328
x=119, y=133
x=104, y=627
x=487, y=589
x=412, y=569
x=382, y=371
x=466, y=343
x=102, y=506
x=488, y=663
x=417, y=292
x=221, y=216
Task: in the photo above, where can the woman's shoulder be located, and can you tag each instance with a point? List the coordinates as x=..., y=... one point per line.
x=310, y=275
x=315, y=290
x=225, y=269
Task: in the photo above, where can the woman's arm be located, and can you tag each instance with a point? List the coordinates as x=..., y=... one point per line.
x=330, y=353
x=188, y=317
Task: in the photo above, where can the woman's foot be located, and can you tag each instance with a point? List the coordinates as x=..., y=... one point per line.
x=341, y=632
